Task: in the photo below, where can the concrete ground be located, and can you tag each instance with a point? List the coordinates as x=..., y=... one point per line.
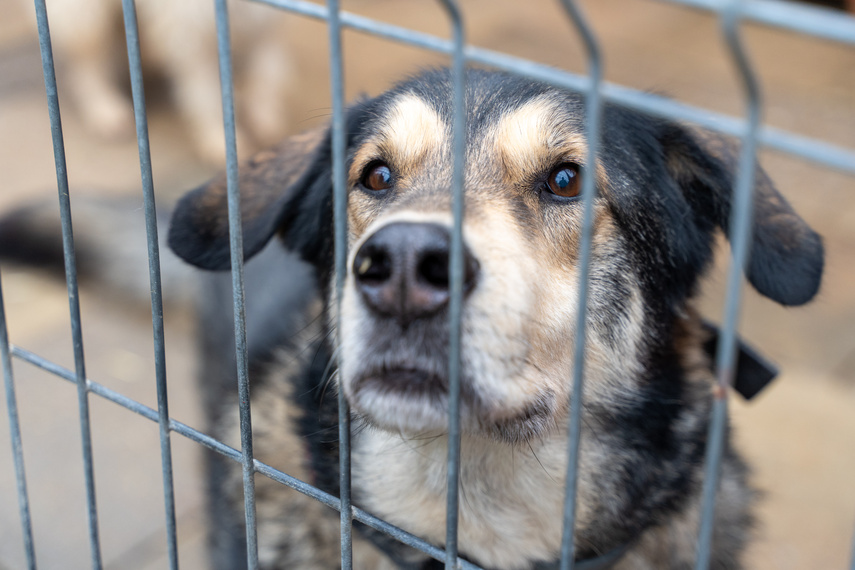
x=799, y=435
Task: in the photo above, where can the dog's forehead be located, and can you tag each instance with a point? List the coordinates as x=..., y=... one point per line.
x=517, y=124
x=535, y=135
x=408, y=129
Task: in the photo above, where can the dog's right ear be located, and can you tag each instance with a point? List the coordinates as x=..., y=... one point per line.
x=199, y=229
x=285, y=190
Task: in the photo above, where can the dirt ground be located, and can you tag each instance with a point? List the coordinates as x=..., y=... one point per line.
x=799, y=435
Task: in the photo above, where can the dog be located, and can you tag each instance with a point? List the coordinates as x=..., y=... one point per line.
x=178, y=41
x=663, y=194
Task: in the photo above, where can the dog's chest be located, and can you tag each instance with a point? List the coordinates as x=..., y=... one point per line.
x=510, y=500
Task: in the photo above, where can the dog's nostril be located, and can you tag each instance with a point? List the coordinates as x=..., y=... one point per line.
x=372, y=265
x=433, y=269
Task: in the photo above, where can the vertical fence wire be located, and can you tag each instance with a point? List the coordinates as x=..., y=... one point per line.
x=852, y=562
x=455, y=268
x=593, y=115
x=236, y=250
x=141, y=119
x=340, y=223
x=17, y=443
x=740, y=234
x=70, y=276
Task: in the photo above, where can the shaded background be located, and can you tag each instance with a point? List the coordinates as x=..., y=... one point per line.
x=799, y=435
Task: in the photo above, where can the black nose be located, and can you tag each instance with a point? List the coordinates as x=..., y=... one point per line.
x=402, y=270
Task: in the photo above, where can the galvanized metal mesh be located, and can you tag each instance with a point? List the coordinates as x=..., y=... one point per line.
x=731, y=13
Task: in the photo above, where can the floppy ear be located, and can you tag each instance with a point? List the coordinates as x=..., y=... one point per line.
x=786, y=256
x=285, y=190
x=199, y=229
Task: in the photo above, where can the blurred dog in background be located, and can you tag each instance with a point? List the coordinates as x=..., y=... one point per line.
x=178, y=44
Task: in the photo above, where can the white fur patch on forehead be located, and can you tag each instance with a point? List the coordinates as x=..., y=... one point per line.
x=536, y=134
x=411, y=129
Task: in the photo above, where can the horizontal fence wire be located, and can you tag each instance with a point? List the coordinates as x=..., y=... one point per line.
x=740, y=237
x=235, y=455
x=141, y=120
x=814, y=150
x=49, y=73
x=593, y=116
x=340, y=227
x=17, y=443
x=788, y=15
x=238, y=296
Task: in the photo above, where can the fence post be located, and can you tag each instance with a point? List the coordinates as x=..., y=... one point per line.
x=238, y=297
x=740, y=237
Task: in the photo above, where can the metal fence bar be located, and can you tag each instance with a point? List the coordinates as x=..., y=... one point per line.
x=808, y=20
x=236, y=250
x=15, y=435
x=70, y=275
x=141, y=119
x=340, y=222
x=455, y=269
x=814, y=150
x=740, y=235
x=852, y=563
x=811, y=149
x=227, y=451
x=593, y=116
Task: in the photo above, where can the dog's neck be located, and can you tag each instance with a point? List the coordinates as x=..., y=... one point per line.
x=510, y=496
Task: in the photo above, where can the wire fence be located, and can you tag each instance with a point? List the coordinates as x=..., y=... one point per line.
x=731, y=14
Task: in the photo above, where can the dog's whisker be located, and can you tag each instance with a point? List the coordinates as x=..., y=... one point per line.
x=539, y=462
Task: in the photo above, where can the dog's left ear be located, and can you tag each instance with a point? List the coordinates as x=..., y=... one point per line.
x=285, y=190
x=786, y=256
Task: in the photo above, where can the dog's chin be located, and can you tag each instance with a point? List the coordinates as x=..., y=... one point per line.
x=415, y=403
x=404, y=401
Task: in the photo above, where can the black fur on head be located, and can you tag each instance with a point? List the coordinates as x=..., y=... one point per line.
x=672, y=189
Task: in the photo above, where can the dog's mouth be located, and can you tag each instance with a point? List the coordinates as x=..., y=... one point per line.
x=405, y=382
x=401, y=398
x=413, y=400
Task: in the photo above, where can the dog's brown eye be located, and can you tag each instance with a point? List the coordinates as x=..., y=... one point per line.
x=377, y=177
x=564, y=181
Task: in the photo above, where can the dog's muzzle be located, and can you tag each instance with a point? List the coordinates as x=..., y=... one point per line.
x=401, y=271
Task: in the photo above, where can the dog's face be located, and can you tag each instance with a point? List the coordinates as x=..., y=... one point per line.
x=662, y=193
x=525, y=161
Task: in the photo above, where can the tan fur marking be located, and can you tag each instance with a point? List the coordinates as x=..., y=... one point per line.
x=529, y=136
x=408, y=133
x=535, y=137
